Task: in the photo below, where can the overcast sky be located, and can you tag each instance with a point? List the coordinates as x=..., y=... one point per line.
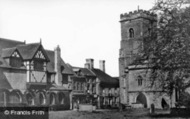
x=82, y=28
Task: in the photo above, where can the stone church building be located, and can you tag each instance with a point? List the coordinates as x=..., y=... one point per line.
x=134, y=82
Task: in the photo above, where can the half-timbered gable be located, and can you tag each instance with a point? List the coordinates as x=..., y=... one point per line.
x=12, y=57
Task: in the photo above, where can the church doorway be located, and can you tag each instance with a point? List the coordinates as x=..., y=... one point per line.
x=141, y=98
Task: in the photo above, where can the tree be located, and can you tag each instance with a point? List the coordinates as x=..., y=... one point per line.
x=167, y=47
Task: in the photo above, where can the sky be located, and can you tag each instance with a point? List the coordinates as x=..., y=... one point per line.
x=82, y=28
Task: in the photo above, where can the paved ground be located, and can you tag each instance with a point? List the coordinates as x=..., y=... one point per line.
x=112, y=114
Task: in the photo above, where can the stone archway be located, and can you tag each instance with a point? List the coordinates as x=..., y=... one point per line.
x=4, y=96
x=61, y=98
x=42, y=98
x=141, y=98
x=29, y=99
x=52, y=98
x=164, y=104
x=15, y=97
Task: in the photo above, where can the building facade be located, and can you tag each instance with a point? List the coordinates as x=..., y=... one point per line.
x=134, y=79
x=107, y=87
x=33, y=76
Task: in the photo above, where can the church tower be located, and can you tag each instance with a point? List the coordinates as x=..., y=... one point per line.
x=134, y=26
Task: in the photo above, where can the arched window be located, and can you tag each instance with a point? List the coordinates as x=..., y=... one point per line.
x=131, y=33
x=61, y=98
x=42, y=99
x=52, y=99
x=139, y=79
x=141, y=98
x=14, y=98
x=15, y=60
x=29, y=99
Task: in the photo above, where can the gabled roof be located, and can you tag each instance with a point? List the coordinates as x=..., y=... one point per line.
x=7, y=52
x=3, y=63
x=105, y=78
x=50, y=65
x=67, y=69
x=6, y=43
x=29, y=50
x=84, y=71
x=87, y=72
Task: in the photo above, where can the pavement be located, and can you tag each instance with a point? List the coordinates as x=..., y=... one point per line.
x=109, y=114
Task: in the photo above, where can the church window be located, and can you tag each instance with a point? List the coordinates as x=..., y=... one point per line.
x=131, y=33
x=139, y=79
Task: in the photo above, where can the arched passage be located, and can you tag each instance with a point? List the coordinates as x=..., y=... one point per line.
x=15, y=97
x=61, y=97
x=42, y=98
x=3, y=97
x=29, y=99
x=141, y=98
x=52, y=99
x=164, y=104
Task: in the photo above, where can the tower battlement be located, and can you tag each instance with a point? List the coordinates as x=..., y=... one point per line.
x=137, y=14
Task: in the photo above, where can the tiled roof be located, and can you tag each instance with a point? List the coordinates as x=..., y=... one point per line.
x=105, y=78
x=6, y=43
x=67, y=70
x=3, y=63
x=87, y=72
x=29, y=50
x=84, y=71
x=50, y=65
x=7, y=52
x=17, y=82
x=3, y=81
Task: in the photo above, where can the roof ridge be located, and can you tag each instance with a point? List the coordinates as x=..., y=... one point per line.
x=91, y=71
x=48, y=50
x=11, y=40
x=9, y=48
x=28, y=44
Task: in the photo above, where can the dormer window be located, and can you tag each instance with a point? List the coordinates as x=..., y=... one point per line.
x=39, y=55
x=15, y=54
x=39, y=62
x=131, y=33
x=16, y=60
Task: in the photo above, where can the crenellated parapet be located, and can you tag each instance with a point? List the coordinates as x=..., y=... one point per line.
x=137, y=14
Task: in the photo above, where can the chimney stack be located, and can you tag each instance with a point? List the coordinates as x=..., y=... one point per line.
x=102, y=65
x=57, y=67
x=90, y=62
x=87, y=65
